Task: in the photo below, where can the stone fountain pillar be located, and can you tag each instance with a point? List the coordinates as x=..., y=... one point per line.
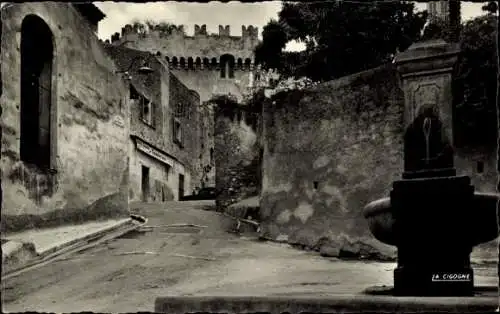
x=433, y=216
x=431, y=206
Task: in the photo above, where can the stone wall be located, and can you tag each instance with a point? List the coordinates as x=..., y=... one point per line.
x=237, y=152
x=88, y=175
x=330, y=150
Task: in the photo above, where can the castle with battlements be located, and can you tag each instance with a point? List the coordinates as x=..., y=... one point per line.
x=211, y=64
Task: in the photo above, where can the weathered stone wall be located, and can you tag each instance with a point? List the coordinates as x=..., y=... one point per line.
x=237, y=154
x=330, y=150
x=89, y=127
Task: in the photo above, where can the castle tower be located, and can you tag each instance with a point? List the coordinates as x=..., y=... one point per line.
x=210, y=64
x=438, y=10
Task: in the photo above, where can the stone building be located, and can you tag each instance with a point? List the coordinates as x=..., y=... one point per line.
x=64, y=118
x=164, y=143
x=208, y=63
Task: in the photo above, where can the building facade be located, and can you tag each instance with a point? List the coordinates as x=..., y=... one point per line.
x=64, y=118
x=163, y=146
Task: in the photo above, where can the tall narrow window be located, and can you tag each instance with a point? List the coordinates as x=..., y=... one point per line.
x=147, y=111
x=37, y=53
x=177, y=132
x=227, y=66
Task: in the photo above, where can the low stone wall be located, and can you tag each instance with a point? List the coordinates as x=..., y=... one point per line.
x=328, y=151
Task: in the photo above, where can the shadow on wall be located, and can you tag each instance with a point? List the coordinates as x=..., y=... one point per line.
x=237, y=158
x=111, y=206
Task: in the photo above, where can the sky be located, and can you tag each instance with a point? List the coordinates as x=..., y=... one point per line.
x=215, y=13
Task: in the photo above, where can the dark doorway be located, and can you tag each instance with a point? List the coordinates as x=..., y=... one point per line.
x=37, y=54
x=181, y=186
x=145, y=183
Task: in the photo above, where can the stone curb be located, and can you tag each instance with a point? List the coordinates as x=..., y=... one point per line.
x=323, y=304
x=88, y=237
x=10, y=248
x=69, y=246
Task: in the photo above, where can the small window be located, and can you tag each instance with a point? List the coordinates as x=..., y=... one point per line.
x=179, y=110
x=177, y=132
x=134, y=95
x=316, y=184
x=480, y=167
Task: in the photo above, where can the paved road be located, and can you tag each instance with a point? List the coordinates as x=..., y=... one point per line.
x=127, y=274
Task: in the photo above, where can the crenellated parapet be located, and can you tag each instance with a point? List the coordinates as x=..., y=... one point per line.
x=200, y=51
x=249, y=32
x=129, y=31
x=199, y=64
x=200, y=30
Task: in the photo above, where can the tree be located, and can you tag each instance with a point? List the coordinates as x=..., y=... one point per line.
x=475, y=79
x=491, y=7
x=340, y=37
x=144, y=27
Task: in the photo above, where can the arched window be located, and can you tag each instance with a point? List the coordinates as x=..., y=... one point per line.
x=240, y=63
x=167, y=59
x=190, y=63
x=182, y=62
x=174, y=61
x=211, y=155
x=37, y=54
x=227, y=66
x=198, y=62
x=247, y=62
x=214, y=62
x=206, y=62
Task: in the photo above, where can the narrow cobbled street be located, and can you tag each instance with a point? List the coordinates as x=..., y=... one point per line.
x=164, y=259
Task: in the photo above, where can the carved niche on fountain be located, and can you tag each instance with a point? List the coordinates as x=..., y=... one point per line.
x=427, y=149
